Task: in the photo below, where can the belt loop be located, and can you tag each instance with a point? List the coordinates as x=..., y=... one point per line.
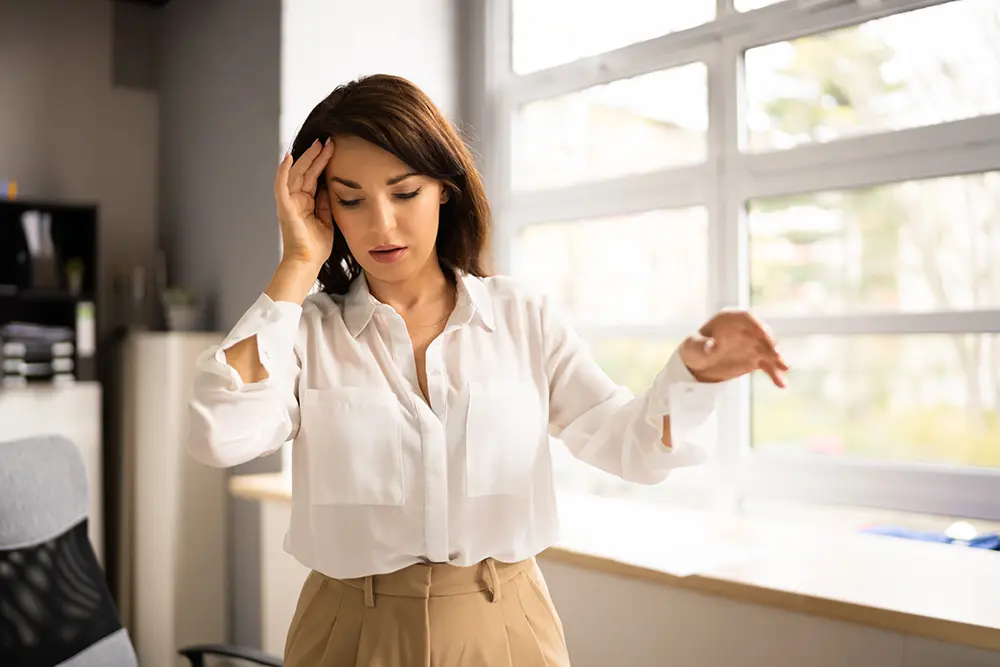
x=494, y=582
x=369, y=592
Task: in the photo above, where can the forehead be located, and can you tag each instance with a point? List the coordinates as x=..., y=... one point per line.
x=358, y=160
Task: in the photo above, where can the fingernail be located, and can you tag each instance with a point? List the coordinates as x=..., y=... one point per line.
x=327, y=142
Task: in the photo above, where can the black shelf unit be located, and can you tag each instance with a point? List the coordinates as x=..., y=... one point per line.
x=74, y=234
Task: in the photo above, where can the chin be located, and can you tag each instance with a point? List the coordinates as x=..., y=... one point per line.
x=391, y=273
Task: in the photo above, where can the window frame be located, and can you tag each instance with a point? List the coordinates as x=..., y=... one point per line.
x=724, y=183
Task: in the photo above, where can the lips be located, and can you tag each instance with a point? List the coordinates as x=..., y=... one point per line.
x=387, y=254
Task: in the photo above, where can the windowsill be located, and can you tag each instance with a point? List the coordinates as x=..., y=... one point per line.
x=938, y=591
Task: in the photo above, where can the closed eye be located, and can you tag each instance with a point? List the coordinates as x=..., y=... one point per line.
x=354, y=203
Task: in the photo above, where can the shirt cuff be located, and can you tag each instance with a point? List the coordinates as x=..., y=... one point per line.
x=690, y=403
x=275, y=323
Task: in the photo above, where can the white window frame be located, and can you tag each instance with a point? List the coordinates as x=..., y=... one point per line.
x=724, y=183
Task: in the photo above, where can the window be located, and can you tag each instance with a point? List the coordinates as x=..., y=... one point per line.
x=918, y=246
x=608, y=271
x=626, y=127
x=552, y=32
x=925, y=398
x=833, y=165
x=913, y=69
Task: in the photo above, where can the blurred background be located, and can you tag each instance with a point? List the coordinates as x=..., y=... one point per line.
x=832, y=164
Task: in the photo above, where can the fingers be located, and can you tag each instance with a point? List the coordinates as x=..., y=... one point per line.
x=780, y=362
x=736, y=342
x=296, y=175
x=770, y=361
x=763, y=335
x=773, y=372
x=315, y=170
x=281, y=180
x=323, y=211
x=759, y=329
x=743, y=321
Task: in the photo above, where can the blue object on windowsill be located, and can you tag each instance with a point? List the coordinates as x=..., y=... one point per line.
x=984, y=541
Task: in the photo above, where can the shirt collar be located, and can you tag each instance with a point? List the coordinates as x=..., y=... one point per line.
x=359, y=306
x=473, y=303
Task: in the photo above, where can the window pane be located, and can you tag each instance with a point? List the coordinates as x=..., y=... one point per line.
x=633, y=362
x=547, y=33
x=913, y=246
x=625, y=127
x=919, y=68
x=646, y=268
x=921, y=397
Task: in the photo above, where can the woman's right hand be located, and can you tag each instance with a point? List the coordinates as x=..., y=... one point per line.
x=304, y=215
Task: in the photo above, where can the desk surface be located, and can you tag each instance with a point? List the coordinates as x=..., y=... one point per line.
x=938, y=591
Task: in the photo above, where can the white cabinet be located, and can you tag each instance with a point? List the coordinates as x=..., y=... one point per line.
x=72, y=411
x=173, y=579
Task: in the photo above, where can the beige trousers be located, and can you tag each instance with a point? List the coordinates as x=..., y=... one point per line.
x=436, y=615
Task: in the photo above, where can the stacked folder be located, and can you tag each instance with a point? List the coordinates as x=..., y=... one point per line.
x=36, y=353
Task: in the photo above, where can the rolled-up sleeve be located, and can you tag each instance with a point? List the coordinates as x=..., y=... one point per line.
x=232, y=421
x=604, y=425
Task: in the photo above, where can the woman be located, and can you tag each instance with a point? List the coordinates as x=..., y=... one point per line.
x=420, y=394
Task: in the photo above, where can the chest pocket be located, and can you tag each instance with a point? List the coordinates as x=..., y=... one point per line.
x=354, y=446
x=505, y=430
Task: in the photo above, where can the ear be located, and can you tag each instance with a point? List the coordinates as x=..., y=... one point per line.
x=445, y=194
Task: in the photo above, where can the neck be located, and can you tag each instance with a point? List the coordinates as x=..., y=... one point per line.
x=427, y=287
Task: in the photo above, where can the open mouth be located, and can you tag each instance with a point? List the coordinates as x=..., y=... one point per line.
x=387, y=254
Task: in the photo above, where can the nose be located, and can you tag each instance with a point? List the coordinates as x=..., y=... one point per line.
x=383, y=217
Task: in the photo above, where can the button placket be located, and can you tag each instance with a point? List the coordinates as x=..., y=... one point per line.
x=436, y=455
x=436, y=386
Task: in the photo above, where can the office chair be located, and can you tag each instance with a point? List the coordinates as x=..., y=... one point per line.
x=55, y=606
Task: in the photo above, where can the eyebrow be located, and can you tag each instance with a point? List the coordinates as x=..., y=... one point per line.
x=357, y=186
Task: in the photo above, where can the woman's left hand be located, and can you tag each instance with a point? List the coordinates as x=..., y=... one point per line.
x=731, y=344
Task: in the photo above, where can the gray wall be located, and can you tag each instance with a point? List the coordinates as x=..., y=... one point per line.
x=220, y=87
x=68, y=133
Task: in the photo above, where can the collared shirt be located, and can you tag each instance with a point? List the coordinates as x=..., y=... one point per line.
x=381, y=477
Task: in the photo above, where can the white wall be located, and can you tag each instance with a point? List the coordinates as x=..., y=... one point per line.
x=67, y=133
x=330, y=42
x=613, y=620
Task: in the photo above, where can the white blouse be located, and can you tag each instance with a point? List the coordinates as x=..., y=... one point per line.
x=381, y=478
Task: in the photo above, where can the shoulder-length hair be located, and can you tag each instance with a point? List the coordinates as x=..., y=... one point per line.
x=398, y=117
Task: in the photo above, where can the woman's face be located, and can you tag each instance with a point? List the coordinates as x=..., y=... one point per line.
x=387, y=213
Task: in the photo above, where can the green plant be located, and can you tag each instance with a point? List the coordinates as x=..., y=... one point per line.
x=178, y=296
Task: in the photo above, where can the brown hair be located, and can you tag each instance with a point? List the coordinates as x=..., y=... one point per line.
x=398, y=117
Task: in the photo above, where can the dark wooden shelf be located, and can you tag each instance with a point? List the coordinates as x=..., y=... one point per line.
x=36, y=296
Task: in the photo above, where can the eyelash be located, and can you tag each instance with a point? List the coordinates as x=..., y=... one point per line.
x=354, y=203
